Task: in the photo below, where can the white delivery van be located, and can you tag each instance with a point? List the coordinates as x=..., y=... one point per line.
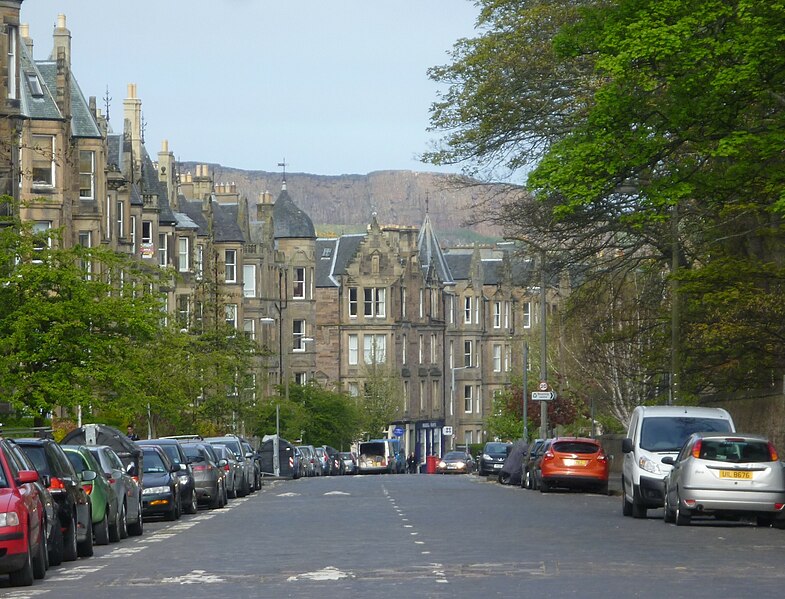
x=654, y=433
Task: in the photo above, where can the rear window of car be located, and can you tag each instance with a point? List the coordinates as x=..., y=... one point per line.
x=77, y=461
x=193, y=452
x=38, y=457
x=234, y=446
x=575, y=447
x=735, y=450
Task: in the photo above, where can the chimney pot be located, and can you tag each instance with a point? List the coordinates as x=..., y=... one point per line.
x=61, y=21
x=24, y=30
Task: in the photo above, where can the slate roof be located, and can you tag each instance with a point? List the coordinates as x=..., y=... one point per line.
x=492, y=272
x=225, y=225
x=193, y=210
x=82, y=122
x=114, y=154
x=184, y=222
x=289, y=221
x=460, y=265
x=151, y=185
x=342, y=250
x=431, y=253
x=35, y=107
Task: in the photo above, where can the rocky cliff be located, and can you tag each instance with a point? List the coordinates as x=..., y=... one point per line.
x=345, y=203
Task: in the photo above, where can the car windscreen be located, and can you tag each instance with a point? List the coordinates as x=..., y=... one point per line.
x=736, y=450
x=496, y=448
x=575, y=447
x=153, y=463
x=668, y=433
x=455, y=455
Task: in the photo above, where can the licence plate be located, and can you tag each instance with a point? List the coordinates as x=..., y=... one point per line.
x=737, y=474
x=498, y=465
x=572, y=462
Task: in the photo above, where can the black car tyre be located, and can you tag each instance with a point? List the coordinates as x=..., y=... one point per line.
x=669, y=516
x=40, y=559
x=638, y=508
x=504, y=478
x=122, y=521
x=191, y=507
x=137, y=528
x=545, y=487
x=70, y=552
x=101, y=529
x=56, y=546
x=24, y=576
x=216, y=501
x=114, y=527
x=626, y=506
x=682, y=518
x=85, y=548
x=173, y=513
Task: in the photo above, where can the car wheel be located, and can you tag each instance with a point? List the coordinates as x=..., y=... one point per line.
x=504, y=478
x=70, y=552
x=603, y=489
x=41, y=560
x=669, y=516
x=137, y=528
x=56, y=546
x=626, y=506
x=638, y=508
x=23, y=577
x=85, y=548
x=216, y=502
x=101, y=529
x=683, y=517
x=114, y=528
x=173, y=513
x=123, y=522
x=545, y=487
x=192, y=508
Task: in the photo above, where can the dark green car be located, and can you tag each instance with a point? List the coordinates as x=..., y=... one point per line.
x=106, y=520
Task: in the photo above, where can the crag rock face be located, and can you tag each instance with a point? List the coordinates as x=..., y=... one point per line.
x=345, y=203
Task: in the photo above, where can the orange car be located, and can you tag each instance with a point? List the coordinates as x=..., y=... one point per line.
x=574, y=462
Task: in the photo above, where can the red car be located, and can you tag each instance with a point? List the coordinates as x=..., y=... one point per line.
x=23, y=547
x=574, y=462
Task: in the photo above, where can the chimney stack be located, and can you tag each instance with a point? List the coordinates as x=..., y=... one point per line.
x=62, y=39
x=132, y=115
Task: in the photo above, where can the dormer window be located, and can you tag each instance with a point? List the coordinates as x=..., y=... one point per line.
x=34, y=83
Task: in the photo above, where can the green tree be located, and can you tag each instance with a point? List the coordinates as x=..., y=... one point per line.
x=381, y=400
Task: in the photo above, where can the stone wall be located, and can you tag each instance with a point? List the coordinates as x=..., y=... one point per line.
x=761, y=412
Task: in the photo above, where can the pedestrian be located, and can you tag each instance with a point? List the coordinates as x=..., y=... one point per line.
x=131, y=434
x=411, y=463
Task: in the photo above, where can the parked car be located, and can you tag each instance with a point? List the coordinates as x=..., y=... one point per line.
x=455, y=462
x=213, y=453
x=231, y=467
x=105, y=503
x=162, y=486
x=23, y=538
x=177, y=456
x=298, y=463
x=335, y=461
x=536, y=472
x=528, y=463
x=309, y=457
x=325, y=463
x=73, y=502
x=574, y=462
x=726, y=476
x=245, y=482
x=125, y=487
x=256, y=460
x=207, y=475
x=492, y=458
x=348, y=462
x=654, y=433
x=20, y=461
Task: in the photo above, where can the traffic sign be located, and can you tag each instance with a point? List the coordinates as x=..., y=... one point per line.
x=398, y=431
x=543, y=385
x=447, y=431
x=543, y=395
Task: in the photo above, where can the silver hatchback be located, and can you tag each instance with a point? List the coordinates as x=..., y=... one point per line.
x=726, y=475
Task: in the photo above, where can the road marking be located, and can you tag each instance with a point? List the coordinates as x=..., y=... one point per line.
x=328, y=573
x=26, y=594
x=125, y=551
x=337, y=493
x=194, y=577
x=290, y=494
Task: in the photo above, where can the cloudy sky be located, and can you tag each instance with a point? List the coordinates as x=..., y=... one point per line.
x=331, y=86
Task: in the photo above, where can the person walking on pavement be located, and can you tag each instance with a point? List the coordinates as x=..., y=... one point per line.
x=411, y=463
x=131, y=434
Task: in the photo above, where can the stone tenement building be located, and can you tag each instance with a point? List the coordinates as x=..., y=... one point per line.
x=445, y=327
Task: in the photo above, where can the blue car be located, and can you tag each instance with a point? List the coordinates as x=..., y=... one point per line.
x=161, y=493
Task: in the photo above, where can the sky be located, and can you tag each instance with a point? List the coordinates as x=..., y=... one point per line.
x=329, y=86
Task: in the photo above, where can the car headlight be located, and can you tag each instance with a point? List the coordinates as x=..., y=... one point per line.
x=649, y=465
x=9, y=519
x=155, y=490
x=485, y=456
x=183, y=479
x=460, y=464
x=442, y=464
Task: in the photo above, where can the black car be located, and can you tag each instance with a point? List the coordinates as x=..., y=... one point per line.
x=176, y=454
x=72, y=502
x=492, y=458
x=335, y=461
x=161, y=493
x=527, y=480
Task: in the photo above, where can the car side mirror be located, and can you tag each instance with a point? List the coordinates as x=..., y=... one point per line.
x=175, y=468
x=88, y=475
x=182, y=466
x=626, y=445
x=222, y=462
x=249, y=455
x=668, y=459
x=28, y=476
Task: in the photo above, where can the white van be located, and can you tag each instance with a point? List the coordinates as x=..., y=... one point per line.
x=654, y=433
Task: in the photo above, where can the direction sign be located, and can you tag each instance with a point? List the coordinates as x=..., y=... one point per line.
x=543, y=395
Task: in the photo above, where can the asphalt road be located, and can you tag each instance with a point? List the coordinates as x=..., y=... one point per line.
x=423, y=536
